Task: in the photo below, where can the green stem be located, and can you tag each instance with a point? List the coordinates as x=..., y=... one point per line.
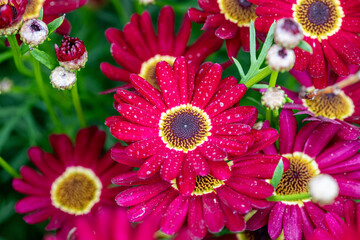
x=273, y=78
x=258, y=77
x=138, y=6
x=8, y=168
x=120, y=10
x=268, y=115
x=17, y=56
x=77, y=105
x=277, y=198
x=45, y=96
x=5, y=56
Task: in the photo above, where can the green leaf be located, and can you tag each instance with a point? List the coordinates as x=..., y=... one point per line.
x=279, y=170
x=24, y=48
x=252, y=43
x=305, y=46
x=41, y=14
x=5, y=56
x=239, y=67
x=259, y=86
x=55, y=24
x=268, y=43
x=44, y=58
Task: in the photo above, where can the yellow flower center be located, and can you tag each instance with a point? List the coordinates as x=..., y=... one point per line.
x=318, y=18
x=184, y=127
x=240, y=12
x=203, y=185
x=76, y=191
x=332, y=106
x=296, y=179
x=148, y=68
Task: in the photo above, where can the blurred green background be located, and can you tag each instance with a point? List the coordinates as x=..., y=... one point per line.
x=24, y=120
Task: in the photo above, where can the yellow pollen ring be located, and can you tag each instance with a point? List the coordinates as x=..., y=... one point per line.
x=332, y=106
x=296, y=179
x=76, y=191
x=203, y=185
x=235, y=13
x=321, y=30
x=147, y=70
x=180, y=144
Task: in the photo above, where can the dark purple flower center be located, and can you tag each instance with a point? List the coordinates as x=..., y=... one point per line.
x=282, y=53
x=318, y=13
x=244, y=3
x=184, y=127
x=35, y=27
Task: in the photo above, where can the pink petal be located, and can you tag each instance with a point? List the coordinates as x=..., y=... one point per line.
x=138, y=116
x=196, y=220
x=276, y=220
x=212, y=152
x=236, y=114
x=233, y=199
x=115, y=73
x=152, y=165
x=287, y=131
x=175, y=215
x=127, y=131
x=168, y=83
x=213, y=214
x=170, y=169
x=145, y=148
x=166, y=36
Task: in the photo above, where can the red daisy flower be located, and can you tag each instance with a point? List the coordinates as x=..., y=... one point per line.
x=331, y=27
x=213, y=203
x=312, y=150
x=13, y=13
x=230, y=19
x=339, y=107
x=190, y=124
x=336, y=228
x=138, y=48
x=52, y=192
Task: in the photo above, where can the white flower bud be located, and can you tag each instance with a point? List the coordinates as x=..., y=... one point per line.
x=146, y=2
x=323, y=189
x=288, y=33
x=280, y=59
x=62, y=79
x=5, y=85
x=34, y=32
x=273, y=98
x=258, y=125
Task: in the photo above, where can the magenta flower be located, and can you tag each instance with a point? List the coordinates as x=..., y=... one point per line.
x=70, y=183
x=336, y=228
x=71, y=54
x=331, y=27
x=189, y=126
x=339, y=108
x=230, y=19
x=312, y=150
x=111, y=223
x=138, y=48
x=213, y=203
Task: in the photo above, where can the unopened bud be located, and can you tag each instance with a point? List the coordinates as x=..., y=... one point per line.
x=5, y=85
x=288, y=33
x=323, y=189
x=273, y=98
x=72, y=54
x=146, y=2
x=62, y=79
x=280, y=59
x=34, y=32
x=258, y=125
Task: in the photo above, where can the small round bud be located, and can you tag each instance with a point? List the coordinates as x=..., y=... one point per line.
x=62, y=79
x=5, y=85
x=323, y=189
x=34, y=32
x=72, y=54
x=146, y=2
x=258, y=125
x=280, y=59
x=273, y=98
x=288, y=33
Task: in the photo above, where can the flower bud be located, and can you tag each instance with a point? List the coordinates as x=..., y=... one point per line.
x=273, y=98
x=62, y=79
x=11, y=13
x=72, y=54
x=288, y=33
x=146, y=2
x=5, y=85
x=34, y=32
x=280, y=59
x=323, y=189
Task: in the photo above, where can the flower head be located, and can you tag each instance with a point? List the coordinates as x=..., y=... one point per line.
x=323, y=189
x=70, y=183
x=71, y=54
x=273, y=98
x=337, y=106
x=213, y=203
x=191, y=123
x=138, y=48
x=330, y=27
x=33, y=32
x=313, y=150
x=230, y=19
x=62, y=79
